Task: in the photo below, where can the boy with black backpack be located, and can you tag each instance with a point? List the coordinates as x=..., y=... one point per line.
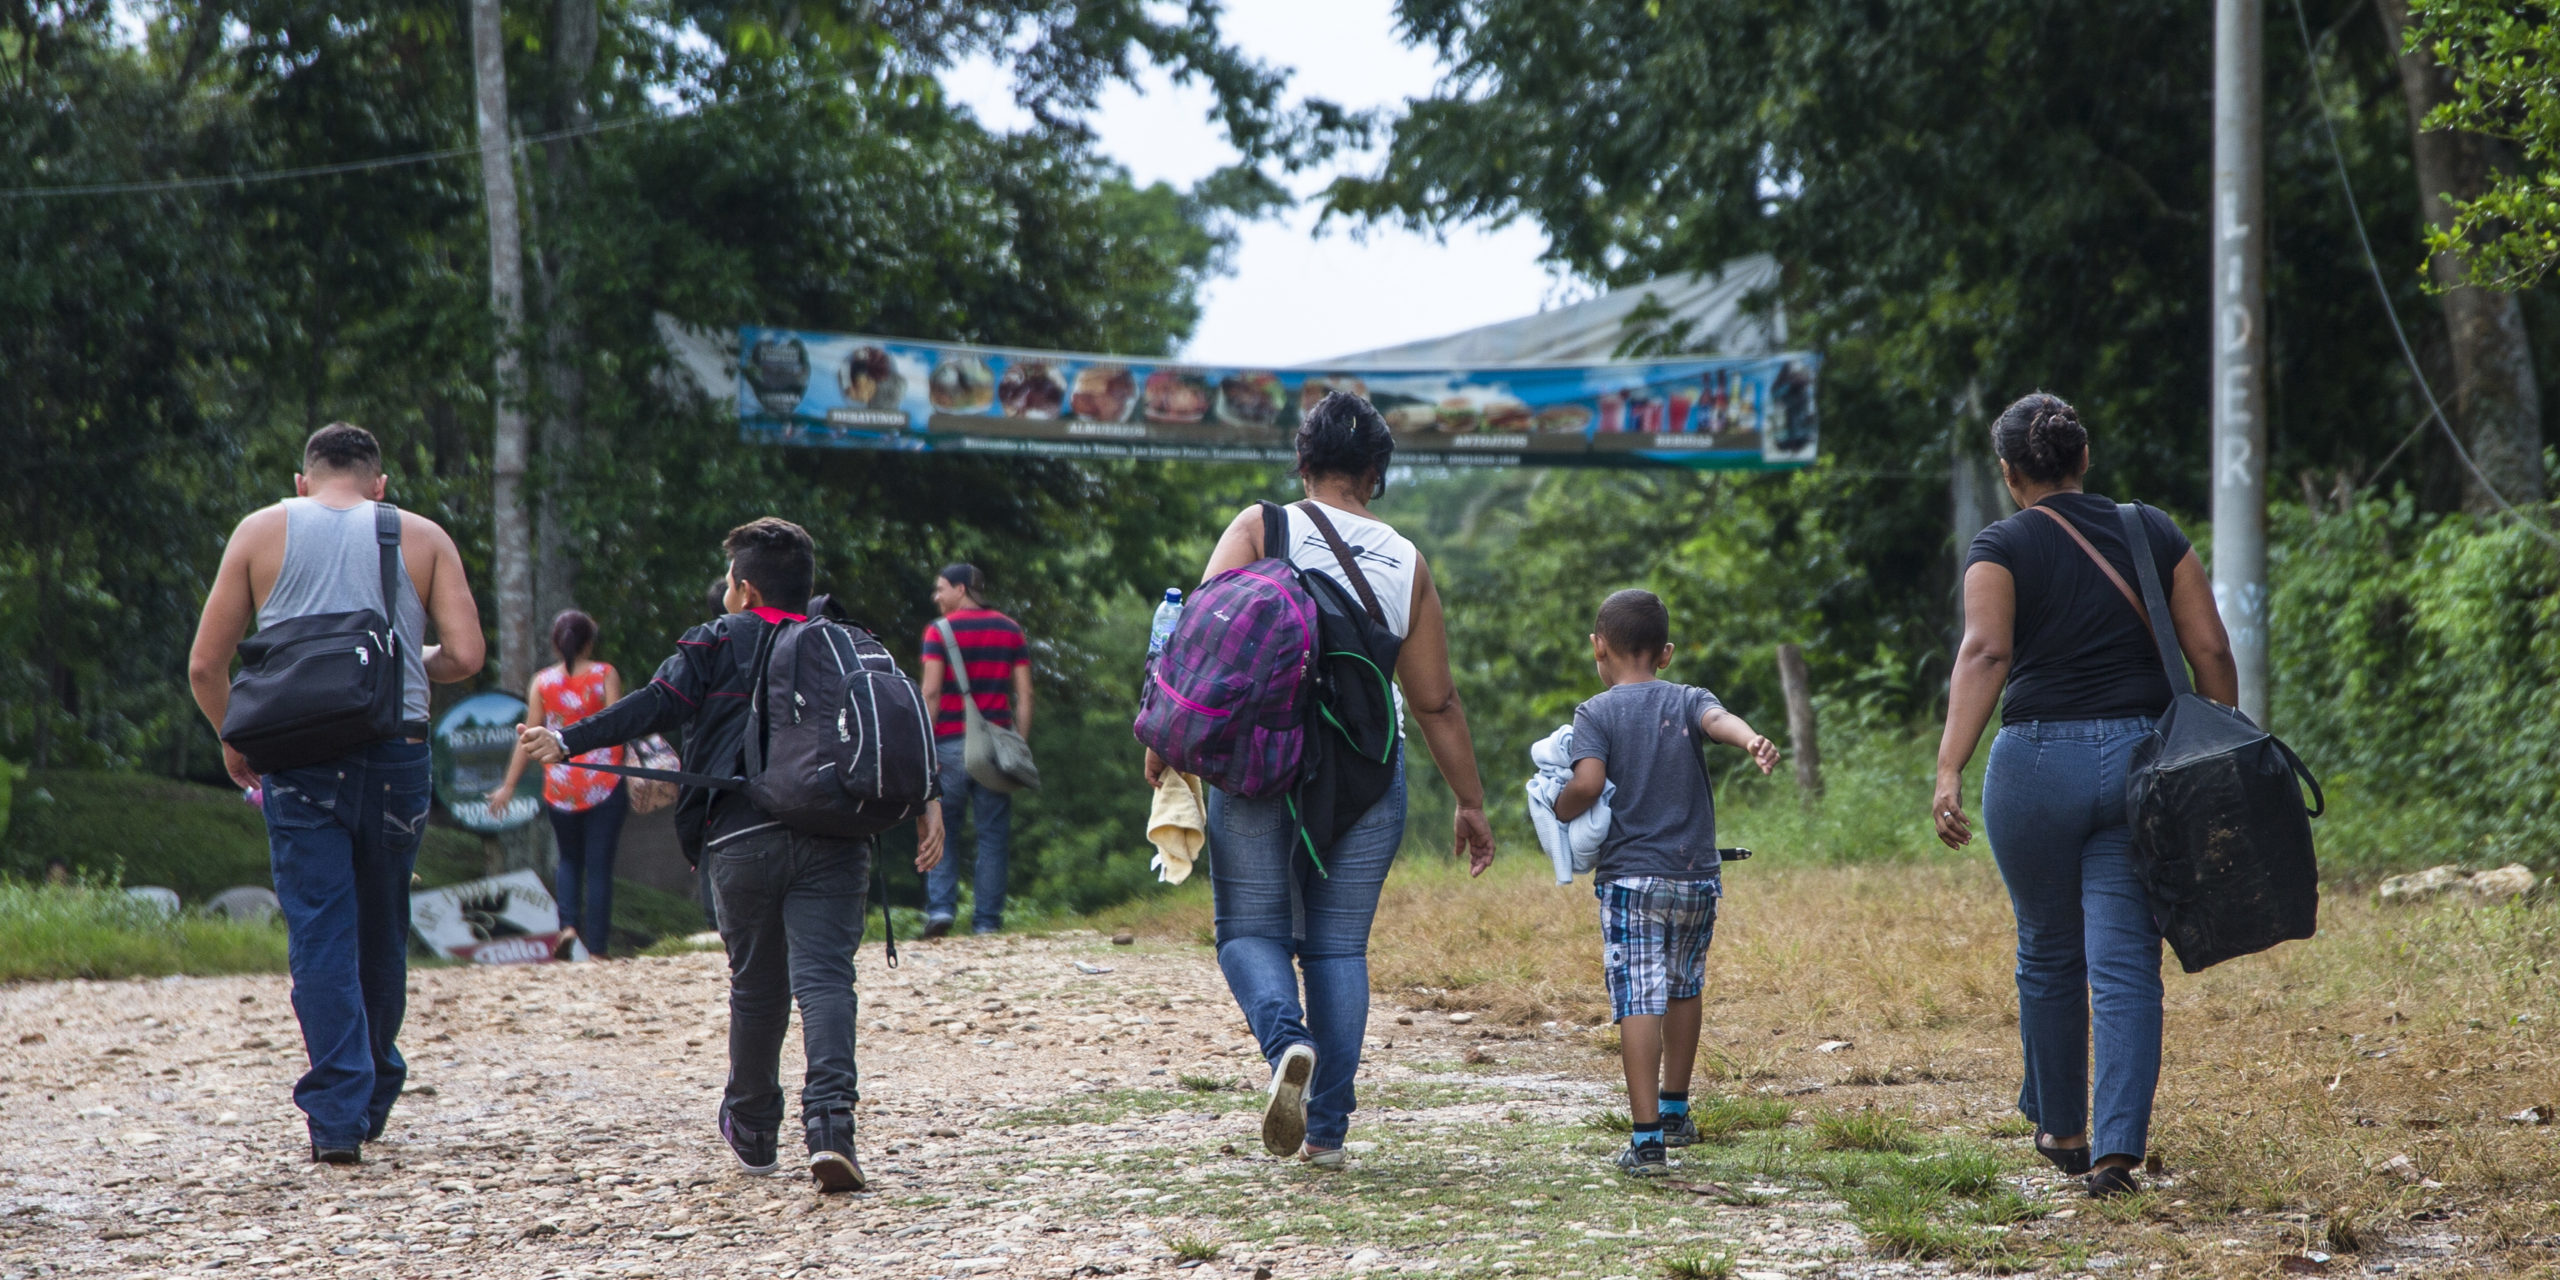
x=1659, y=874
x=801, y=741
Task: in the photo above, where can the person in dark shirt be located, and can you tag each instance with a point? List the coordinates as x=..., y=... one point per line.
x=998, y=662
x=2048, y=611
x=790, y=904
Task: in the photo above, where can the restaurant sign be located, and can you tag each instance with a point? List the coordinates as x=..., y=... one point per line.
x=844, y=391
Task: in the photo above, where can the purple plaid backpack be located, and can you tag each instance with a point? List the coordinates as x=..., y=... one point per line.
x=1227, y=699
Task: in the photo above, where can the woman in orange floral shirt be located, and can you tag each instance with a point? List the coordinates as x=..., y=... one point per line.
x=587, y=806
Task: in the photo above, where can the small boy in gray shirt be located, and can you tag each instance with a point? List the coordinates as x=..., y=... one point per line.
x=1657, y=876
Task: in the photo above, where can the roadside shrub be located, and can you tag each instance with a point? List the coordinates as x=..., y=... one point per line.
x=96, y=931
x=2417, y=671
x=143, y=829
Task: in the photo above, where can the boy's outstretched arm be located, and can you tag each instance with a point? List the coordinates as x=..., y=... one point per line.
x=1732, y=730
x=1589, y=777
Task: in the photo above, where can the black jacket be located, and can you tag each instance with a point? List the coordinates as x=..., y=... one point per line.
x=701, y=691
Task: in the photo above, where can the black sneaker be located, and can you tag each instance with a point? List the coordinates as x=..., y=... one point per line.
x=335, y=1155
x=936, y=927
x=1646, y=1161
x=1679, y=1130
x=831, y=1162
x=756, y=1152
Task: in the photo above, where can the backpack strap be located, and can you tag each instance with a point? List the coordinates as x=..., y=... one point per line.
x=2164, y=631
x=1275, y=531
x=677, y=776
x=1350, y=566
x=754, y=744
x=386, y=536
x=880, y=881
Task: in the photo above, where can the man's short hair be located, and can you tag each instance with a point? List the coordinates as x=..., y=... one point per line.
x=342, y=447
x=967, y=578
x=1634, y=623
x=778, y=557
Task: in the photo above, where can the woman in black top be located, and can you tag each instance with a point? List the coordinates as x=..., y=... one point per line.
x=2084, y=686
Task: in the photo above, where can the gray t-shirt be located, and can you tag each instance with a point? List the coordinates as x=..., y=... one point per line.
x=1663, y=820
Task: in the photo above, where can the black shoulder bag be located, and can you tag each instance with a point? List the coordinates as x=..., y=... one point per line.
x=316, y=687
x=2219, y=827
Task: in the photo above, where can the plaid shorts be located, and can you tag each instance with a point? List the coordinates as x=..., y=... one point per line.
x=1654, y=934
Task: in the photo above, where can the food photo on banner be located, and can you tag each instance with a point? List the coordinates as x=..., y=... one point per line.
x=849, y=391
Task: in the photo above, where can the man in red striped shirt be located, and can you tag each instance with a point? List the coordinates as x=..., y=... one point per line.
x=998, y=663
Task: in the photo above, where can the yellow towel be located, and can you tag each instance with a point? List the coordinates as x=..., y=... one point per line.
x=1177, y=826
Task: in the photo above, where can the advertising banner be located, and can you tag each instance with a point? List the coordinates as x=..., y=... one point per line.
x=855, y=392
x=508, y=919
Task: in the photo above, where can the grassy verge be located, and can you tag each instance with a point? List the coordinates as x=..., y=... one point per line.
x=92, y=932
x=2291, y=1080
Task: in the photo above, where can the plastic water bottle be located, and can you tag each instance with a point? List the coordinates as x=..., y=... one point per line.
x=1168, y=615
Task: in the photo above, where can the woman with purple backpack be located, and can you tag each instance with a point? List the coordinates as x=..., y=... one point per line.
x=1283, y=913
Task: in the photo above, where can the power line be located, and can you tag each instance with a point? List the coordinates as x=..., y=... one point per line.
x=2355, y=211
x=155, y=186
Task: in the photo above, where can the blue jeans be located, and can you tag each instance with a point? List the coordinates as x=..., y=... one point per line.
x=1272, y=908
x=2053, y=804
x=342, y=838
x=791, y=915
x=994, y=811
x=584, y=883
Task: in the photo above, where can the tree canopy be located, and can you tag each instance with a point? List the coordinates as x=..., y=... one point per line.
x=165, y=345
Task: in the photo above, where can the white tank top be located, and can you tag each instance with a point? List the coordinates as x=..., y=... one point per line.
x=1386, y=558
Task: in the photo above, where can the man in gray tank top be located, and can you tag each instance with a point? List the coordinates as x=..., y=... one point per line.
x=343, y=835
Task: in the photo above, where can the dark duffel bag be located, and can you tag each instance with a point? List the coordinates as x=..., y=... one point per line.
x=319, y=686
x=2220, y=830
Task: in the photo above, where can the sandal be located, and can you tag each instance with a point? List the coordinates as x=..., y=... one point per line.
x=2073, y=1161
x=2112, y=1181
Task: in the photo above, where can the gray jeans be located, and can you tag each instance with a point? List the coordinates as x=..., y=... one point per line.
x=791, y=910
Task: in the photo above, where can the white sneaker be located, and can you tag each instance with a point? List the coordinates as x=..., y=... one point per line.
x=1284, y=1117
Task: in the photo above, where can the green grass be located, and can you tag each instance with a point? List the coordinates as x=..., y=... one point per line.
x=1954, y=1171
x=1100, y=1108
x=1202, y=1084
x=90, y=931
x=140, y=829
x=643, y=915
x=1722, y=1119
x=1700, y=1266
x=1866, y=1131
x=1191, y=1248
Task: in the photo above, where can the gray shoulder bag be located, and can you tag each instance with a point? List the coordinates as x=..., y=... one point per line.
x=997, y=757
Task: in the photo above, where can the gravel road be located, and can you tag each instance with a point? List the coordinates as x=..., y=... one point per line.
x=1022, y=1115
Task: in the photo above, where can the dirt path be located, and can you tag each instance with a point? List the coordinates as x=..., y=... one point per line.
x=1034, y=1106
x=1022, y=1116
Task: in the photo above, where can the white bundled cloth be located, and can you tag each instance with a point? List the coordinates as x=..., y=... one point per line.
x=1574, y=847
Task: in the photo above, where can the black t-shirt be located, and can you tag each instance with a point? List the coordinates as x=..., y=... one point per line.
x=2078, y=650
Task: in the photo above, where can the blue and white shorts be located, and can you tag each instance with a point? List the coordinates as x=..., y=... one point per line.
x=1654, y=935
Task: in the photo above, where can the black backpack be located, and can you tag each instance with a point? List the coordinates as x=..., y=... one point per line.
x=2219, y=826
x=837, y=741
x=316, y=687
x=1353, y=733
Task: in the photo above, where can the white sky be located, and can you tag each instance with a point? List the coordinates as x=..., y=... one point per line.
x=1386, y=285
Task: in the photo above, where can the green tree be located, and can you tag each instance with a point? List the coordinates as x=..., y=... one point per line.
x=2500, y=58
x=1969, y=202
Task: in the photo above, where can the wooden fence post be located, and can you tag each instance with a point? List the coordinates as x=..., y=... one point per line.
x=1802, y=740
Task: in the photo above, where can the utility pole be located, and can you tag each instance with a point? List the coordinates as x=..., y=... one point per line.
x=2239, y=341
x=511, y=535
